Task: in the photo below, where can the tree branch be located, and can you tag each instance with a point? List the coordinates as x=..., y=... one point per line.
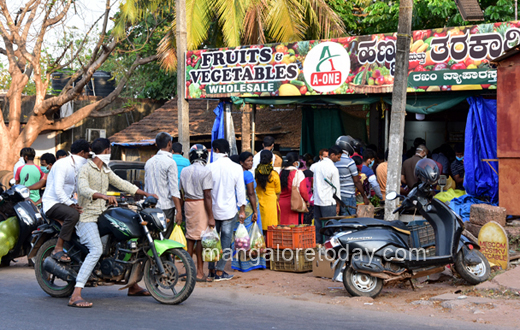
x=57, y=67
x=103, y=31
x=86, y=111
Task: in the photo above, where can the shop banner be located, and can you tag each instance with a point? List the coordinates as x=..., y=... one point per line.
x=447, y=59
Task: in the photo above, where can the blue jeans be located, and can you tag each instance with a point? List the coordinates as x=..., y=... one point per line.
x=349, y=201
x=322, y=212
x=225, y=229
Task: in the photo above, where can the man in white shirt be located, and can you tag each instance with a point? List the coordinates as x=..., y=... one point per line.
x=58, y=201
x=268, y=144
x=324, y=153
x=228, y=192
x=324, y=203
x=161, y=178
x=20, y=162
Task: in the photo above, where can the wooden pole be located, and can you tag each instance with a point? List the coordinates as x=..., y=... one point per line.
x=181, y=37
x=404, y=31
x=253, y=129
x=246, y=127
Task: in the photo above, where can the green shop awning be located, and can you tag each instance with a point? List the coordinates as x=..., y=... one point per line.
x=342, y=101
x=431, y=102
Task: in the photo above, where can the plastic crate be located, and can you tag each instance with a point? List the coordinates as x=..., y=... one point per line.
x=422, y=234
x=294, y=238
x=289, y=260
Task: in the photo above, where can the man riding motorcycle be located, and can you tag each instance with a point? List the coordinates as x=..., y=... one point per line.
x=93, y=182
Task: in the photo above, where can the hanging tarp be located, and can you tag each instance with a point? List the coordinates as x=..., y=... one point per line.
x=217, y=132
x=428, y=103
x=480, y=180
x=320, y=129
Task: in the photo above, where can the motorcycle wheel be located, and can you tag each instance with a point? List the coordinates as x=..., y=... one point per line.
x=361, y=285
x=50, y=283
x=474, y=274
x=171, y=289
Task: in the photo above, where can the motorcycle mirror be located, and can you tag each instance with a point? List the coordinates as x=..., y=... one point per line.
x=12, y=182
x=391, y=196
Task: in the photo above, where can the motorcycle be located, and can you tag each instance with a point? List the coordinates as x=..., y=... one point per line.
x=133, y=247
x=15, y=202
x=371, y=252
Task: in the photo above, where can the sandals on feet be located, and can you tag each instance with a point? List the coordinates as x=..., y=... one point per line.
x=60, y=257
x=78, y=302
x=142, y=293
x=204, y=279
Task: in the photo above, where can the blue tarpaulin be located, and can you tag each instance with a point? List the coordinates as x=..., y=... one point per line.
x=481, y=143
x=218, y=126
x=462, y=205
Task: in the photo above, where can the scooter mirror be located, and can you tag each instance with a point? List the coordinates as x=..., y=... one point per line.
x=391, y=196
x=12, y=182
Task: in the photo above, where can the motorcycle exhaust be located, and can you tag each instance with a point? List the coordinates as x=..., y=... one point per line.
x=50, y=265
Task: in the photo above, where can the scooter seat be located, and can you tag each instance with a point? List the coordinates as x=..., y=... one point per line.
x=358, y=223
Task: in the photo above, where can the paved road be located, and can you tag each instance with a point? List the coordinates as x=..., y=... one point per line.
x=23, y=305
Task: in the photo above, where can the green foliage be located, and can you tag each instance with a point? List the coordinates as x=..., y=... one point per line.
x=382, y=15
x=149, y=80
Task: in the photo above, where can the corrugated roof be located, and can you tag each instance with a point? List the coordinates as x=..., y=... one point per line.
x=285, y=126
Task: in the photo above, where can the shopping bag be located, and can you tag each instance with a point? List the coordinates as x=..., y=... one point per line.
x=297, y=202
x=242, y=240
x=258, y=246
x=211, y=247
x=178, y=236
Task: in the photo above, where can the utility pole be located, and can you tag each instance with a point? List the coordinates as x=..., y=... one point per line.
x=404, y=31
x=183, y=107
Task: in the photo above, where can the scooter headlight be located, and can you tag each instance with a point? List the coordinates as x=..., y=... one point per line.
x=25, y=216
x=23, y=191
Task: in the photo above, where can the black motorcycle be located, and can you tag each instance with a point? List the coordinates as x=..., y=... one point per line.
x=371, y=252
x=133, y=247
x=15, y=202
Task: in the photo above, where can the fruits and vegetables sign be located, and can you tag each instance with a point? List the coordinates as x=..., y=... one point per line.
x=440, y=60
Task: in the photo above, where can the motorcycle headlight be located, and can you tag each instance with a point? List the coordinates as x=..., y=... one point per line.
x=155, y=217
x=23, y=191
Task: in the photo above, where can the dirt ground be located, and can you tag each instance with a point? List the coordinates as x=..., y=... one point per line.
x=495, y=308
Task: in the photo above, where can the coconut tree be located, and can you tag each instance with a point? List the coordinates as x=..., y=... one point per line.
x=218, y=23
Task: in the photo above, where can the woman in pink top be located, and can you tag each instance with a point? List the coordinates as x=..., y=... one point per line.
x=291, y=175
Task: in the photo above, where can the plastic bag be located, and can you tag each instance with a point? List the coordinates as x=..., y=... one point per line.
x=210, y=238
x=257, y=241
x=242, y=240
x=9, y=231
x=211, y=247
x=178, y=236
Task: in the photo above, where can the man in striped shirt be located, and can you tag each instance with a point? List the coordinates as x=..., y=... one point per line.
x=349, y=181
x=161, y=178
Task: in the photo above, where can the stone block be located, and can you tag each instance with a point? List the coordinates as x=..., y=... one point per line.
x=472, y=228
x=481, y=214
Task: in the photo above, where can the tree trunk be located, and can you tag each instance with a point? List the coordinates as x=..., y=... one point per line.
x=182, y=105
x=398, y=105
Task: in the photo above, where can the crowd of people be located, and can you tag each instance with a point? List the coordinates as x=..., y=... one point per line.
x=220, y=191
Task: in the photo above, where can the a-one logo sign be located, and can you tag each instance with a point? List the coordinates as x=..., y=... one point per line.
x=326, y=67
